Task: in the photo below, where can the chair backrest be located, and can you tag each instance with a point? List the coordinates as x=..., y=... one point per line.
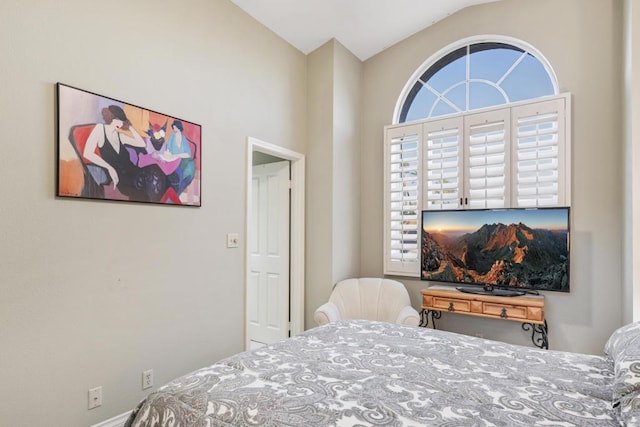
x=78, y=136
x=194, y=148
x=370, y=298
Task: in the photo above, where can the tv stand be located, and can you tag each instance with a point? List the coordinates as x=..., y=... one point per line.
x=526, y=309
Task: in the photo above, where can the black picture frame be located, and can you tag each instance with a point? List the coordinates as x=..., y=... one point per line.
x=109, y=149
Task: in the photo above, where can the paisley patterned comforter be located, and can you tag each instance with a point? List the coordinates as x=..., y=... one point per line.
x=366, y=373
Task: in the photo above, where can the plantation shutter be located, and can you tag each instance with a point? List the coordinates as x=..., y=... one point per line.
x=540, y=152
x=516, y=156
x=487, y=159
x=442, y=164
x=402, y=222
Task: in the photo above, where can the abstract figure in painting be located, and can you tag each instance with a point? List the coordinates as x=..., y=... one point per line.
x=180, y=147
x=112, y=146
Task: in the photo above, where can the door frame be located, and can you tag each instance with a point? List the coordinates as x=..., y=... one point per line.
x=297, y=231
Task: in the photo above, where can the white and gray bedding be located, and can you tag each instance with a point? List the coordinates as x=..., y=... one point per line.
x=367, y=373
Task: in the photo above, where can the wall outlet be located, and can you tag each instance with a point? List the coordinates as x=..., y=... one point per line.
x=147, y=379
x=233, y=240
x=95, y=397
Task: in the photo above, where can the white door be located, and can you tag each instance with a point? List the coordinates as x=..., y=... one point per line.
x=268, y=281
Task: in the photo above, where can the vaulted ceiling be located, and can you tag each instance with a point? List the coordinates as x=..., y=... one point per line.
x=365, y=27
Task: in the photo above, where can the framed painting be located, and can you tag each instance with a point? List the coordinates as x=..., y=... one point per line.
x=112, y=150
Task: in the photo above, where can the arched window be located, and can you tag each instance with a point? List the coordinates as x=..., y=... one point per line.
x=473, y=76
x=480, y=125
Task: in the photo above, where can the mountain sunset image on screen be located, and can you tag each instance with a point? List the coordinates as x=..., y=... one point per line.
x=516, y=248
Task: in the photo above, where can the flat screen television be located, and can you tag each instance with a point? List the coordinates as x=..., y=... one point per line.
x=497, y=251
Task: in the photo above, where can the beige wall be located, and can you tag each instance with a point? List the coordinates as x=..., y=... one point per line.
x=631, y=98
x=93, y=293
x=632, y=230
x=581, y=39
x=333, y=172
x=319, y=167
x=346, y=158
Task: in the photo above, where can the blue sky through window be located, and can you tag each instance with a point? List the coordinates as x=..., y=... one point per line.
x=494, y=72
x=491, y=64
x=449, y=75
x=528, y=80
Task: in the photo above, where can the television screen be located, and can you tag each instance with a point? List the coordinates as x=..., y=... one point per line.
x=502, y=248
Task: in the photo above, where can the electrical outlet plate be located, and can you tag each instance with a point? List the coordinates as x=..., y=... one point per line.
x=95, y=397
x=147, y=379
x=233, y=240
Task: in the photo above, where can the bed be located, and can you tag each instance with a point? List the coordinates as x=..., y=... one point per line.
x=366, y=373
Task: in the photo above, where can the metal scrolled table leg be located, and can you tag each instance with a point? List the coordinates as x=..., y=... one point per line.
x=425, y=314
x=538, y=334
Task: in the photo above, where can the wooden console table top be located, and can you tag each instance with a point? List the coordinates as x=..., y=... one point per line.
x=524, y=309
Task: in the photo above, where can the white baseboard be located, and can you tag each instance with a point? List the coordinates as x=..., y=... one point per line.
x=117, y=421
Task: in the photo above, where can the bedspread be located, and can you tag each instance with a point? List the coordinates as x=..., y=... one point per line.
x=374, y=373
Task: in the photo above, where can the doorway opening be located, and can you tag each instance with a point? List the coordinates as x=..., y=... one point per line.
x=259, y=262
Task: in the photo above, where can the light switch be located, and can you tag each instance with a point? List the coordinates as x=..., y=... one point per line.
x=232, y=240
x=95, y=397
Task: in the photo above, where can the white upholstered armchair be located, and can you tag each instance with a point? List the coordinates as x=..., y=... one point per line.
x=368, y=298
